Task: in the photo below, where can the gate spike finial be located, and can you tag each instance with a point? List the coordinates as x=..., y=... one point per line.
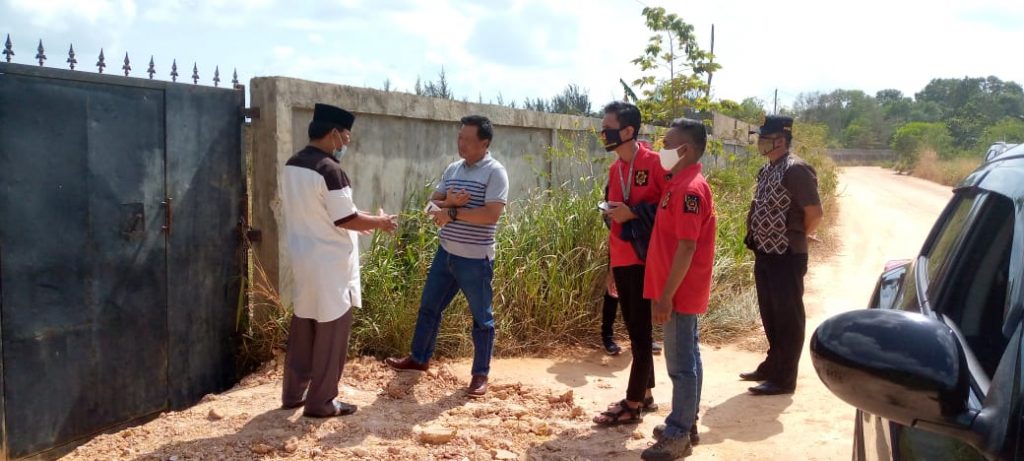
x=127, y=67
x=8, y=51
x=234, y=78
x=152, y=68
x=216, y=76
x=71, y=57
x=41, y=55
x=102, y=62
x=195, y=74
x=174, y=71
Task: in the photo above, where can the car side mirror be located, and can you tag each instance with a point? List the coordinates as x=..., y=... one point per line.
x=899, y=365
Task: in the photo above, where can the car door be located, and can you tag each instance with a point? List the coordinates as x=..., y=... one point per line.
x=964, y=280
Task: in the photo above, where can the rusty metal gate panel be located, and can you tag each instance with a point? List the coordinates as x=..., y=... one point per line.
x=206, y=183
x=119, y=252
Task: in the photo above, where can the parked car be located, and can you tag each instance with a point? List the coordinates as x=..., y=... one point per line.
x=997, y=149
x=934, y=365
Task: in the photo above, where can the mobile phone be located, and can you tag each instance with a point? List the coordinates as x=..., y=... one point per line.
x=431, y=206
x=603, y=206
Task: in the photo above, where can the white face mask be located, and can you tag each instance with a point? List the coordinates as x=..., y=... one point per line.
x=339, y=153
x=669, y=158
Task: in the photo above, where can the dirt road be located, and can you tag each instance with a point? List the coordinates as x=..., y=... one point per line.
x=531, y=413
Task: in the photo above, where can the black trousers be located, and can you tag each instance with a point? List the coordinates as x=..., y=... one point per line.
x=636, y=311
x=315, y=360
x=608, y=314
x=780, y=297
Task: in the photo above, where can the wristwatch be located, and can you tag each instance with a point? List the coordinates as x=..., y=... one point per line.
x=452, y=213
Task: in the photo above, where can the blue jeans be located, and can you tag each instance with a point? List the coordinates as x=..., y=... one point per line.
x=449, y=274
x=682, y=358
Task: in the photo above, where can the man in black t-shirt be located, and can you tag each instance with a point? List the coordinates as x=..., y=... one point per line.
x=784, y=214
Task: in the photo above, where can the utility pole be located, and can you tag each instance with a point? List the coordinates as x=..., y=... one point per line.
x=775, y=108
x=711, y=74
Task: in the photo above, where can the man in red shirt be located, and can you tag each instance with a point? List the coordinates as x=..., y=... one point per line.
x=678, y=282
x=635, y=183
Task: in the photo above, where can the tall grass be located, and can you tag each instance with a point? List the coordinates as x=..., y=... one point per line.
x=548, y=274
x=950, y=172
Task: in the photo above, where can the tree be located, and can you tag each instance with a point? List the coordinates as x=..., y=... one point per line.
x=969, y=105
x=439, y=89
x=687, y=65
x=854, y=118
x=910, y=139
x=573, y=101
x=538, y=105
x=889, y=96
x=750, y=110
x=1009, y=130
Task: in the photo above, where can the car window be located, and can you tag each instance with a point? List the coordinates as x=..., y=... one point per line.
x=941, y=250
x=974, y=280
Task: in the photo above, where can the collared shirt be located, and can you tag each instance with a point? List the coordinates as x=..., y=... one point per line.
x=486, y=181
x=316, y=196
x=776, y=218
x=686, y=212
x=646, y=185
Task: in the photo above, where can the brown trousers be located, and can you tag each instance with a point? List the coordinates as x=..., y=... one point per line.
x=315, y=360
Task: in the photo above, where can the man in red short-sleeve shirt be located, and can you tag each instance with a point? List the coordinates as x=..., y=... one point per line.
x=635, y=182
x=678, y=280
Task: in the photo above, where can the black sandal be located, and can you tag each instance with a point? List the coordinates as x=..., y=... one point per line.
x=647, y=406
x=615, y=417
x=340, y=409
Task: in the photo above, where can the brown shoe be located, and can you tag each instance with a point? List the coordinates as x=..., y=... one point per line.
x=477, y=386
x=406, y=364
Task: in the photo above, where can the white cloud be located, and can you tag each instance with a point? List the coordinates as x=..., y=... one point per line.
x=221, y=13
x=59, y=14
x=533, y=48
x=283, y=52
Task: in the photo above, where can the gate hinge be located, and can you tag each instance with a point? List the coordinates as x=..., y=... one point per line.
x=251, y=112
x=254, y=235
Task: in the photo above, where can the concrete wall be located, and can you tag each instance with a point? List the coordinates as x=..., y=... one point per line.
x=861, y=156
x=400, y=144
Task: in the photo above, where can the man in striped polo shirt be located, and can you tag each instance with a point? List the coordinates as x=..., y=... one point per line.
x=471, y=195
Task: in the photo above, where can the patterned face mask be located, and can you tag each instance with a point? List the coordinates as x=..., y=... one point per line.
x=766, y=145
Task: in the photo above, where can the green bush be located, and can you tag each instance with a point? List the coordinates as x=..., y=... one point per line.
x=1009, y=129
x=910, y=139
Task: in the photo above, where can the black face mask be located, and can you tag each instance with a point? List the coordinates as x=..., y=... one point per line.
x=612, y=140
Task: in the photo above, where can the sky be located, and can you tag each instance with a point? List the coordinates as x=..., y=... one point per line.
x=531, y=48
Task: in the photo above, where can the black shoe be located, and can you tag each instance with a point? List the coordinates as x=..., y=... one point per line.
x=659, y=430
x=753, y=376
x=668, y=449
x=611, y=348
x=770, y=388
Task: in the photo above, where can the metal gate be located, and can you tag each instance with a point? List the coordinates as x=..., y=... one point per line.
x=120, y=264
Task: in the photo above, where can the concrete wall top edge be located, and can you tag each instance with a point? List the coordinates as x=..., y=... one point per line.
x=303, y=94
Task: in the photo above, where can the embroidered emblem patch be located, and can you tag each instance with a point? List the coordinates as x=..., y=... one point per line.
x=691, y=204
x=664, y=201
x=640, y=178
